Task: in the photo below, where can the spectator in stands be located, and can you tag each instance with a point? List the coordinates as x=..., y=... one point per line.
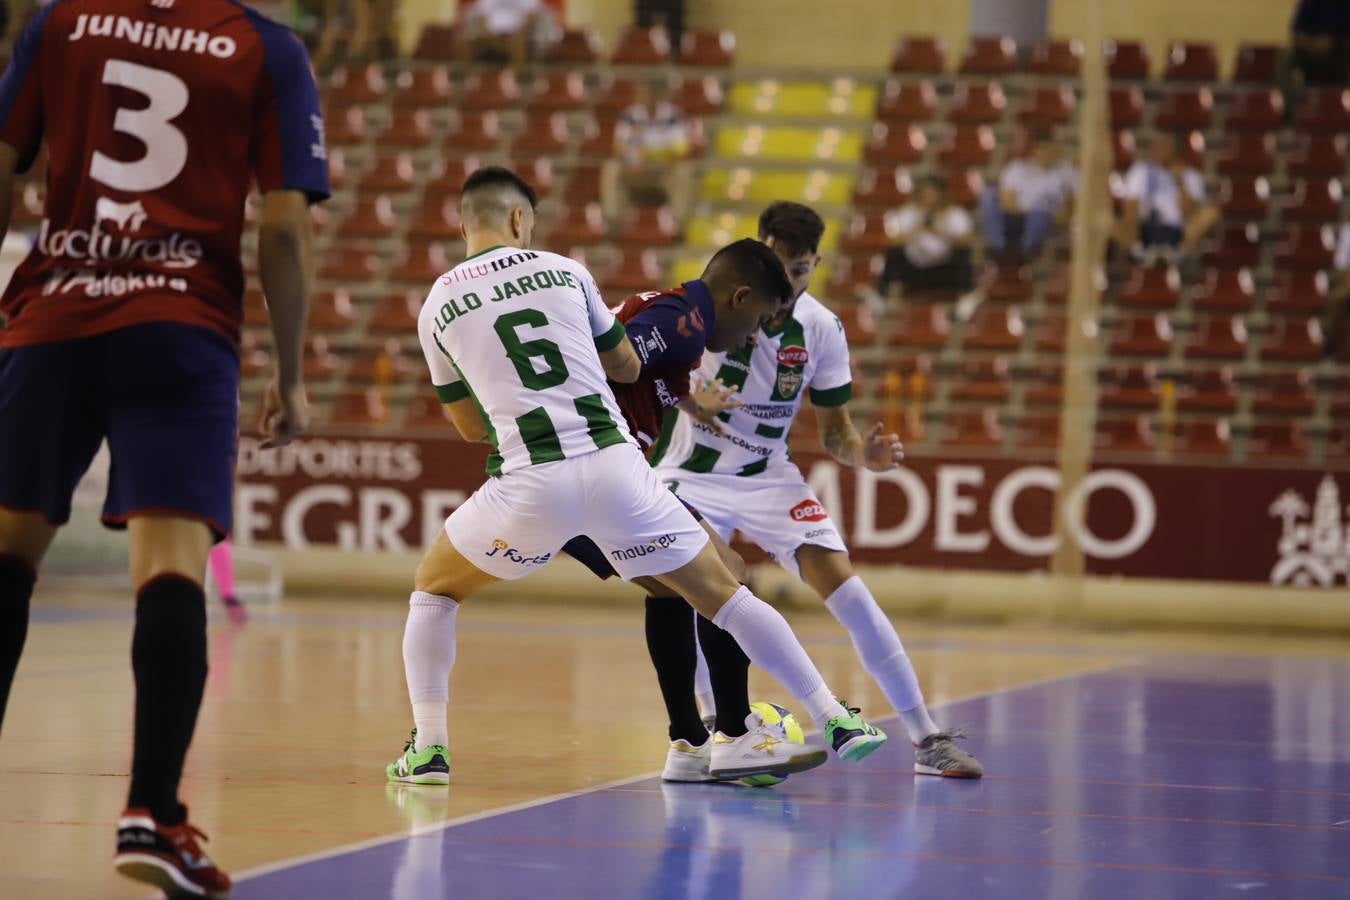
x=931, y=240
x=1320, y=45
x=360, y=29
x=1164, y=209
x=1018, y=213
x=507, y=31
x=671, y=14
x=652, y=145
x=1338, y=301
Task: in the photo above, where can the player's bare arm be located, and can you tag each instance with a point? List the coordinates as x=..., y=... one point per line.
x=875, y=450
x=286, y=266
x=622, y=364
x=709, y=400
x=468, y=421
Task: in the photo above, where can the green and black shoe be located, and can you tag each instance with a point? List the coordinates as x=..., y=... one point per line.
x=851, y=737
x=430, y=765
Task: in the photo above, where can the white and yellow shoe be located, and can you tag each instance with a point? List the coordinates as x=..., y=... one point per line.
x=760, y=751
x=685, y=762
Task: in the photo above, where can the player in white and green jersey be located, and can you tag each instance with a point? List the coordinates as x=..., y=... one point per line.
x=743, y=480
x=520, y=346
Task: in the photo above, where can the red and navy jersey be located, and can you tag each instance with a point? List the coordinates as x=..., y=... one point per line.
x=157, y=115
x=669, y=330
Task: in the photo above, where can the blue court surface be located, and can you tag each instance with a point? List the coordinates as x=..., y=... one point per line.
x=1184, y=778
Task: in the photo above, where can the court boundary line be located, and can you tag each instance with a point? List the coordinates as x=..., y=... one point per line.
x=369, y=843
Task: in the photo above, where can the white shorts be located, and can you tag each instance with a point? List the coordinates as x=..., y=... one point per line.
x=776, y=510
x=514, y=524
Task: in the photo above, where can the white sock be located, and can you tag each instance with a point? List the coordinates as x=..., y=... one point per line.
x=428, y=657
x=703, y=695
x=882, y=654
x=767, y=639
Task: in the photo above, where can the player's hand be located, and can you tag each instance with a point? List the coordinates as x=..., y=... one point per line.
x=711, y=399
x=285, y=413
x=881, y=452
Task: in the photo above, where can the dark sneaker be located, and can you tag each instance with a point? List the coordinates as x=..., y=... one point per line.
x=938, y=754
x=167, y=856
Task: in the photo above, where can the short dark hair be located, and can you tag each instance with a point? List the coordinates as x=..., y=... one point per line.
x=499, y=177
x=794, y=226
x=750, y=262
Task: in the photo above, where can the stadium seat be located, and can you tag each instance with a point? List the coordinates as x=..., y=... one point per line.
x=489, y=91
x=436, y=43
x=557, y=92
x=1047, y=106
x=598, y=143
x=1218, y=337
x=859, y=325
x=919, y=325
x=346, y=127
x=1255, y=110
x=577, y=47
x=1244, y=198
x=920, y=54
x=990, y=55
x=436, y=219
x=700, y=96
x=1044, y=384
x=1188, y=61
x=382, y=363
x=1231, y=291
x=543, y=134
x=254, y=358
x=409, y=128
x=1122, y=151
x=978, y=103
x=453, y=173
x=907, y=101
x=1247, y=154
x=1126, y=107
x=896, y=144
x=321, y=363
x=634, y=272
x=1203, y=437
x=642, y=47
x=473, y=132
x=1127, y=60
x=350, y=265
x=1208, y=391
x=425, y=411
x=356, y=85
x=1050, y=334
x=617, y=94
x=332, y=311
x=972, y=428
x=1185, y=108
x=1293, y=339
x=1130, y=388
x=649, y=227
x=882, y=189
x=397, y=313
x=1297, y=292
x=1063, y=58
x=1235, y=246
x=1317, y=155
x=364, y=409
x=1142, y=336
x=964, y=187
x=998, y=328
x=1313, y=200
x=583, y=186
x=1192, y=150
x=967, y=145
x=423, y=88
x=982, y=381
x=1258, y=63
x=1038, y=432
x=1325, y=110
x=373, y=218
x=1007, y=283
x=255, y=308
x=708, y=49
x=1305, y=247
x=422, y=263
x=391, y=173
x=866, y=233
x=1151, y=287
x=1132, y=435
x=1277, y=440
x=852, y=272
x=1283, y=393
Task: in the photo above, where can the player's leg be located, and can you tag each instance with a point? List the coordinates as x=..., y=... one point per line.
x=830, y=574
x=222, y=570
x=24, y=539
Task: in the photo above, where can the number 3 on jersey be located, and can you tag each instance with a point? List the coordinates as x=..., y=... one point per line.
x=523, y=353
x=166, y=149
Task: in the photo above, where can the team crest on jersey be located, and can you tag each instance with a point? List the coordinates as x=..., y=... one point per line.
x=789, y=383
x=791, y=360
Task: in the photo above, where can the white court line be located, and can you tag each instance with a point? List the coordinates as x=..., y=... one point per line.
x=357, y=846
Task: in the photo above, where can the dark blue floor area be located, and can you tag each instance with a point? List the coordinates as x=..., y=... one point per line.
x=1194, y=780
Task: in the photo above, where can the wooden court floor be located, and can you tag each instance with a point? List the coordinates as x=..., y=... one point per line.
x=305, y=704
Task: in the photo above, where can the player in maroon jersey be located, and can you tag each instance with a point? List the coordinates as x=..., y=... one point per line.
x=123, y=324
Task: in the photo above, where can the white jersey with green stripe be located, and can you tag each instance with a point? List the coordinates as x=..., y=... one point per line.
x=808, y=355
x=519, y=331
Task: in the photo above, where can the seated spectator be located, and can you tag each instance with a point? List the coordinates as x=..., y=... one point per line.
x=1017, y=214
x=350, y=30
x=1320, y=46
x=931, y=240
x=1164, y=209
x=1338, y=300
x=507, y=31
x=652, y=144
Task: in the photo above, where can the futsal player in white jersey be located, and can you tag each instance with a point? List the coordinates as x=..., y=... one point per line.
x=519, y=345
x=741, y=479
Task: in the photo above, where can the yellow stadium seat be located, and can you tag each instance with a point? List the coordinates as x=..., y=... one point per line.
x=841, y=97
x=687, y=269
x=790, y=144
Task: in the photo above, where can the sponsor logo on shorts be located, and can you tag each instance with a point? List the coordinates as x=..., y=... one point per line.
x=819, y=533
x=793, y=356
x=808, y=511
x=663, y=542
x=514, y=555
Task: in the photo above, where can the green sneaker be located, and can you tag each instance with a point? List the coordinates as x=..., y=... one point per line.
x=851, y=737
x=430, y=765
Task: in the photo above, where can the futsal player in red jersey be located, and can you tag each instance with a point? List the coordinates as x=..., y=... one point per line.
x=123, y=324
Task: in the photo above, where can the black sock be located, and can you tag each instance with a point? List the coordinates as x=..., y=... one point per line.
x=16, y=590
x=670, y=641
x=729, y=672
x=168, y=658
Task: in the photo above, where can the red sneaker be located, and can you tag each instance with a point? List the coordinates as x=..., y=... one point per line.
x=167, y=856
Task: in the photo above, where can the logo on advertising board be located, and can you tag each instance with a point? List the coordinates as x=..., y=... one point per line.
x=1314, y=552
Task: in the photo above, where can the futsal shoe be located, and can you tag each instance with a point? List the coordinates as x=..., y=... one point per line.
x=430, y=765
x=938, y=754
x=685, y=762
x=760, y=751
x=851, y=737
x=167, y=856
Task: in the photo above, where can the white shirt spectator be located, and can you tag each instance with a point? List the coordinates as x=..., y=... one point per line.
x=932, y=245
x=1159, y=194
x=1342, y=260
x=503, y=17
x=645, y=134
x=1035, y=188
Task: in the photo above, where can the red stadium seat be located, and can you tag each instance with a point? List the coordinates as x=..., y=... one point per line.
x=976, y=428
x=1057, y=57
x=642, y=47
x=1191, y=148
x=332, y=311
x=489, y=91
x=978, y=103
x=254, y=358
x=373, y=218
x=1185, y=108
x=1047, y=106
x=1231, y=291
x=1208, y=391
x=907, y=101
x=543, y=134
x=427, y=413
x=436, y=42
x=584, y=185
x=1305, y=247
x=896, y=144
x=1191, y=62
x=1244, y=198
x=1007, y=284
x=423, y=262
x=356, y=85
x=397, y=313
x=1255, y=111
x=634, y=273
x=964, y=187
x=1258, y=63
x=994, y=328
x=881, y=189
x=1293, y=339
x=1247, y=154
x=708, y=49
x=990, y=55
x=982, y=381
x=1297, y=292
x=391, y=173
x=350, y=265
x=700, y=96
x=557, y=92
x=321, y=363
x=436, y=219
x=1050, y=334
x=1205, y=438
x=1314, y=200
x=578, y=47
x=1315, y=155
x=599, y=140
x=1151, y=288
x=1127, y=60
x=920, y=54
x=1221, y=337
x=1284, y=393
x=1277, y=440
x=409, y=128
x=618, y=94
x=866, y=233
x=967, y=145
x=579, y=226
x=1130, y=387
x=346, y=127
x=1326, y=110
x=1132, y=436
x=474, y=132
x=1038, y=432
x=917, y=325
x=424, y=88
x=1142, y=336
x=1045, y=385
x=1235, y=246
x=1127, y=107
x=1122, y=151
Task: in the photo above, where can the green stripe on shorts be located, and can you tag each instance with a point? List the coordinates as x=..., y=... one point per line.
x=541, y=440
x=702, y=459
x=599, y=423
